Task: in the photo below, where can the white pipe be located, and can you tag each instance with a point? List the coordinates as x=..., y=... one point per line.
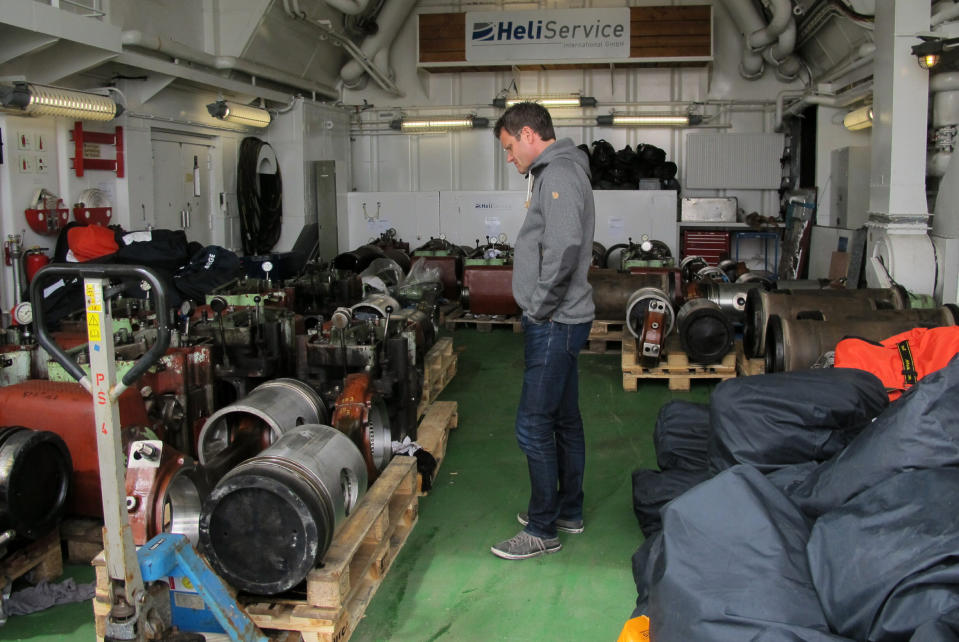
x=806, y=99
x=945, y=15
x=787, y=65
x=782, y=16
x=390, y=20
x=747, y=21
x=136, y=38
x=349, y=7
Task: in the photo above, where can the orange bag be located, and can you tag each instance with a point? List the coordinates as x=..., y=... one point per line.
x=89, y=242
x=635, y=630
x=901, y=360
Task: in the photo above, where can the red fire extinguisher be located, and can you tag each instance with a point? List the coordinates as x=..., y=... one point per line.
x=34, y=260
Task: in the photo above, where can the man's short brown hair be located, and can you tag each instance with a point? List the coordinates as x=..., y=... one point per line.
x=526, y=114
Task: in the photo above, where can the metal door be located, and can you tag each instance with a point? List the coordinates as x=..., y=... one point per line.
x=181, y=188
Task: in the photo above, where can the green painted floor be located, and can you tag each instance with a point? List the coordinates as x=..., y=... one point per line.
x=445, y=584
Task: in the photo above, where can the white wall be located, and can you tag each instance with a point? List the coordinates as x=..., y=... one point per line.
x=388, y=161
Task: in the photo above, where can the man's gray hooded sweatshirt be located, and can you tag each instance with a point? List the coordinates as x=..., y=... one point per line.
x=554, y=248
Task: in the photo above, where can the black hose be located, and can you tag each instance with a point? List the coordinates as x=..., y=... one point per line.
x=260, y=198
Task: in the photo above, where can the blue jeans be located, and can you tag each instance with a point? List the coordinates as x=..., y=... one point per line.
x=549, y=427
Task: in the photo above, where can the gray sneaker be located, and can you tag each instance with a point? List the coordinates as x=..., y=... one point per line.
x=523, y=545
x=565, y=525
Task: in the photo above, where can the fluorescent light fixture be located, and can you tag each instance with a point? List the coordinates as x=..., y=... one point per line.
x=439, y=123
x=547, y=101
x=649, y=120
x=858, y=119
x=240, y=114
x=45, y=100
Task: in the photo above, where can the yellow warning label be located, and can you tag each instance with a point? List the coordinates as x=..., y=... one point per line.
x=93, y=326
x=93, y=296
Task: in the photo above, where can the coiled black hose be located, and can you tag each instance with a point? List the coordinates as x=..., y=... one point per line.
x=260, y=198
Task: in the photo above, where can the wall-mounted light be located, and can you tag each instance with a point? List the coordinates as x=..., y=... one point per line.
x=649, y=120
x=858, y=119
x=240, y=114
x=439, y=123
x=931, y=50
x=45, y=100
x=547, y=101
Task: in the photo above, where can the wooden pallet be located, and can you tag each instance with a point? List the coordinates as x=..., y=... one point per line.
x=439, y=367
x=434, y=433
x=38, y=561
x=746, y=367
x=447, y=309
x=361, y=553
x=83, y=538
x=606, y=336
x=338, y=592
x=482, y=322
x=676, y=368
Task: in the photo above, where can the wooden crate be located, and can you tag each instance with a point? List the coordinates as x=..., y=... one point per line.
x=746, y=367
x=434, y=433
x=606, y=336
x=439, y=368
x=676, y=368
x=361, y=553
x=38, y=561
x=83, y=538
x=482, y=322
x=338, y=592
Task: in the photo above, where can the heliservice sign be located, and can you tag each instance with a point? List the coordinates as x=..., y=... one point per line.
x=552, y=35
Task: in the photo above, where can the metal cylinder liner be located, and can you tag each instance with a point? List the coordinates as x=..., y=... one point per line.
x=612, y=289
x=272, y=408
x=705, y=331
x=639, y=302
x=35, y=471
x=270, y=520
x=374, y=307
x=796, y=344
x=827, y=305
x=730, y=297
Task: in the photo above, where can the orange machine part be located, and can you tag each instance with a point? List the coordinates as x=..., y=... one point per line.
x=67, y=410
x=352, y=416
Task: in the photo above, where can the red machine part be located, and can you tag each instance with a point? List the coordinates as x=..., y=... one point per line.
x=352, y=416
x=164, y=493
x=67, y=410
x=488, y=289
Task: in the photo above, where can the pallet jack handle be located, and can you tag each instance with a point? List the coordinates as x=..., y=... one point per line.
x=101, y=273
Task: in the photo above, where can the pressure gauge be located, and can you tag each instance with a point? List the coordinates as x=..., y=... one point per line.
x=267, y=266
x=23, y=313
x=502, y=237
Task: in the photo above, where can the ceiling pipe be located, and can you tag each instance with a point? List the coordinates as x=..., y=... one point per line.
x=174, y=49
x=945, y=15
x=751, y=66
x=377, y=47
x=782, y=16
x=349, y=7
x=807, y=98
x=749, y=22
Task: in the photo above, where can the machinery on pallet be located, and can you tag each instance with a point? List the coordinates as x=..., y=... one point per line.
x=488, y=279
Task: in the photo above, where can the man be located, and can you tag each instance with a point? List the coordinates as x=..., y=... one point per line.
x=552, y=257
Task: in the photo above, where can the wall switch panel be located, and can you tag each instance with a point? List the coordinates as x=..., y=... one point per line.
x=26, y=164
x=25, y=140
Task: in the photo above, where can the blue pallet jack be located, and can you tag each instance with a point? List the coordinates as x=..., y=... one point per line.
x=140, y=601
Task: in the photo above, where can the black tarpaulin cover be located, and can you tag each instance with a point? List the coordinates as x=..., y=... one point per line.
x=681, y=434
x=887, y=561
x=732, y=565
x=919, y=430
x=775, y=420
